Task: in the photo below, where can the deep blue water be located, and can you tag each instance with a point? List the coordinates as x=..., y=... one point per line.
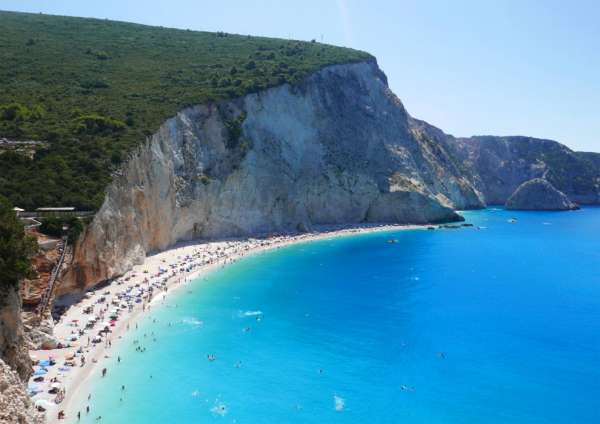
x=498, y=325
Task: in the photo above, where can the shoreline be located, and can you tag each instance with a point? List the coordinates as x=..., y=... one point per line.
x=185, y=262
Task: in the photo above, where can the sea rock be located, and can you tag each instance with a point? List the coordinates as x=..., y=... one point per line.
x=539, y=194
x=15, y=405
x=338, y=148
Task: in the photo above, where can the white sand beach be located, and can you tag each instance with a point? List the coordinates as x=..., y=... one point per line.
x=92, y=327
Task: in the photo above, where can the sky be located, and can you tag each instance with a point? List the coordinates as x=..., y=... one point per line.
x=500, y=67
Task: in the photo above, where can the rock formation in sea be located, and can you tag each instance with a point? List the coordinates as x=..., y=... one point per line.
x=337, y=148
x=539, y=194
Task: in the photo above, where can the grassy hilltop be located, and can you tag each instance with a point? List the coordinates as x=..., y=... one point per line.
x=93, y=89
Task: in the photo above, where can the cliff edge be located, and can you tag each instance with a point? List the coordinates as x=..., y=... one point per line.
x=337, y=148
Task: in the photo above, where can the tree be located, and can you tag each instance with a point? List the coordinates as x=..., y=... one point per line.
x=15, y=247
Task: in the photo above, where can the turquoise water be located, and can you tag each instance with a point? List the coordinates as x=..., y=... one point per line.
x=498, y=325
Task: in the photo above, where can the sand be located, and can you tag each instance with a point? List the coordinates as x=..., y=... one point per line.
x=184, y=263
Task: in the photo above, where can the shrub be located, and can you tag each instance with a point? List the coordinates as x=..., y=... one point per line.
x=53, y=226
x=14, y=112
x=234, y=130
x=97, y=124
x=15, y=247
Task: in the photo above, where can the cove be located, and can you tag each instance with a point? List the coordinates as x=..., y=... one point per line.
x=498, y=324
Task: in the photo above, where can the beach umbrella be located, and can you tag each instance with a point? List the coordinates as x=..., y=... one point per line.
x=41, y=371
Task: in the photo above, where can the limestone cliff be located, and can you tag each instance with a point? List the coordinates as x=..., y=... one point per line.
x=497, y=166
x=15, y=405
x=337, y=148
x=15, y=364
x=13, y=349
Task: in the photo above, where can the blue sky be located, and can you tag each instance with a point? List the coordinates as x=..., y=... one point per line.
x=500, y=67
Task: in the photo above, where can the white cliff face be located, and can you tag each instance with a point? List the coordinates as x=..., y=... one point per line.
x=338, y=148
x=15, y=364
x=15, y=404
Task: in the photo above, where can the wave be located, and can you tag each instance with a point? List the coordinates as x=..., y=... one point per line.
x=192, y=321
x=339, y=403
x=244, y=314
x=219, y=409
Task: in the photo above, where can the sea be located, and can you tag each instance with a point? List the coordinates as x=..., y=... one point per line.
x=494, y=323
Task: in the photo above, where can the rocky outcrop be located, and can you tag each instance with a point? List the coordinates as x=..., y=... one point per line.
x=13, y=350
x=15, y=364
x=497, y=166
x=42, y=264
x=15, y=405
x=337, y=148
x=539, y=194
x=39, y=333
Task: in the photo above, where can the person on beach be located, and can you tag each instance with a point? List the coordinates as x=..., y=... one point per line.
x=103, y=372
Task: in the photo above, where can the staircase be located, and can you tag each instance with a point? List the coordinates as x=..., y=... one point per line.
x=47, y=296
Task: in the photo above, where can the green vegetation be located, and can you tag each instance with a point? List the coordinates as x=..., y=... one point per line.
x=53, y=226
x=94, y=89
x=234, y=130
x=15, y=247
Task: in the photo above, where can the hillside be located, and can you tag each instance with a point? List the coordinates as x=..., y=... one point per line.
x=93, y=89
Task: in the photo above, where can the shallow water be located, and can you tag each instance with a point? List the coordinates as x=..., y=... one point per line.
x=498, y=325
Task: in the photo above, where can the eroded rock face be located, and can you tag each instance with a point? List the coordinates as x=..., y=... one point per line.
x=15, y=364
x=338, y=148
x=497, y=166
x=15, y=405
x=39, y=333
x=539, y=194
x=13, y=350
